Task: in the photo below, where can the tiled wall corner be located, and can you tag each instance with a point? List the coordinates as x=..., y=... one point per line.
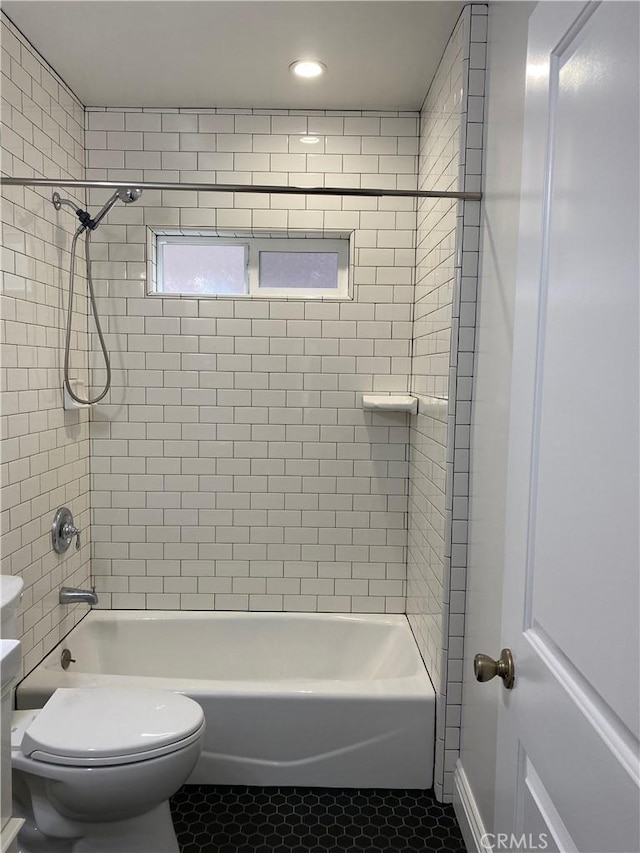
x=232, y=464
x=442, y=373
x=45, y=450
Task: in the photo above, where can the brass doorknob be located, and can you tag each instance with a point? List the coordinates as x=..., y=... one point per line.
x=486, y=668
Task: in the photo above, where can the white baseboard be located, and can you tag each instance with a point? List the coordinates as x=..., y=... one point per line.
x=471, y=825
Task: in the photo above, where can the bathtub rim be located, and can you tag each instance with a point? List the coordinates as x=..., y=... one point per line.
x=47, y=675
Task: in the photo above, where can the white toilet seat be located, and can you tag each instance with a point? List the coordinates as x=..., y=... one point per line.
x=104, y=726
x=113, y=760
x=94, y=769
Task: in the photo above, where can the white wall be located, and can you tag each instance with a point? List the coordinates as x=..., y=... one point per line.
x=233, y=466
x=45, y=450
x=490, y=417
x=442, y=370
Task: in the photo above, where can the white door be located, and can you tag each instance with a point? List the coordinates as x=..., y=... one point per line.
x=568, y=772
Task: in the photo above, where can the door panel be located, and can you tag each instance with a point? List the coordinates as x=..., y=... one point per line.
x=584, y=547
x=585, y=766
x=568, y=731
x=538, y=814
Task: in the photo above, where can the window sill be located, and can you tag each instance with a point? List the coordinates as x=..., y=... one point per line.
x=255, y=296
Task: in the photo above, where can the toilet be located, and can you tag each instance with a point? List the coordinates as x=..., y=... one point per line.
x=94, y=769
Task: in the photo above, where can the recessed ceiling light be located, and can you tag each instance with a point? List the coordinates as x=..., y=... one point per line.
x=310, y=140
x=307, y=68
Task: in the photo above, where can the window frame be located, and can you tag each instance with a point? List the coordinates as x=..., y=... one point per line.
x=298, y=245
x=295, y=243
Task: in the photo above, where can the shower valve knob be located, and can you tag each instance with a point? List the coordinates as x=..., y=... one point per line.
x=69, y=531
x=63, y=530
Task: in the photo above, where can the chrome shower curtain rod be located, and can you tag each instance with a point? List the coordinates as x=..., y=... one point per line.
x=239, y=188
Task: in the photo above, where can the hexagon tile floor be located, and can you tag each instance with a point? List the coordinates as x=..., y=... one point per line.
x=238, y=819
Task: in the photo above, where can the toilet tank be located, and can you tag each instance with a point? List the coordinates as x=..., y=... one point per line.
x=10, y=595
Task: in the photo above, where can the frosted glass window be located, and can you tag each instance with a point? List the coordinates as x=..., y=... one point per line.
x=210, y=268
x=210, y=265
x=298, y=269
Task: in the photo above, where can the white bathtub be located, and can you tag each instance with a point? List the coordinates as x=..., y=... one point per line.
x=289, y=699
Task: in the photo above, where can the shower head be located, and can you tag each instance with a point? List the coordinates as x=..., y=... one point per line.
x=124, y=194
x=129, y=194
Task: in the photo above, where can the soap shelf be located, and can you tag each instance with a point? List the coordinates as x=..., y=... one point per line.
x=390, y=403
x=68, y=403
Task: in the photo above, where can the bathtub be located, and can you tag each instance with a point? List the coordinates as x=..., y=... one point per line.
x=290, y=699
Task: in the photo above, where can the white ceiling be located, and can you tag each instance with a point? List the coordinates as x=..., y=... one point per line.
x=380, y=54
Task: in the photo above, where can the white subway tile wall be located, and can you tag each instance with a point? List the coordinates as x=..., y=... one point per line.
x=45, y=450
x=233, y=466
x=451, y=133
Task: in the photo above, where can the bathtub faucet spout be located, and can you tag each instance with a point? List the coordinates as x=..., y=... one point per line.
x=68, y=595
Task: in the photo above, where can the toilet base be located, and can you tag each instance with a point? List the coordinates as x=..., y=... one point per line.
x=152, y=832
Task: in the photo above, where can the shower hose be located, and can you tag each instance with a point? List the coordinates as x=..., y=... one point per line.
x=92, y=297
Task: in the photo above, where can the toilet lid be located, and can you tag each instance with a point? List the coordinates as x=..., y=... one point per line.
x=105, y=725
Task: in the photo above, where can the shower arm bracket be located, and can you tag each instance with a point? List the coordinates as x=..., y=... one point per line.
x=85, y=219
